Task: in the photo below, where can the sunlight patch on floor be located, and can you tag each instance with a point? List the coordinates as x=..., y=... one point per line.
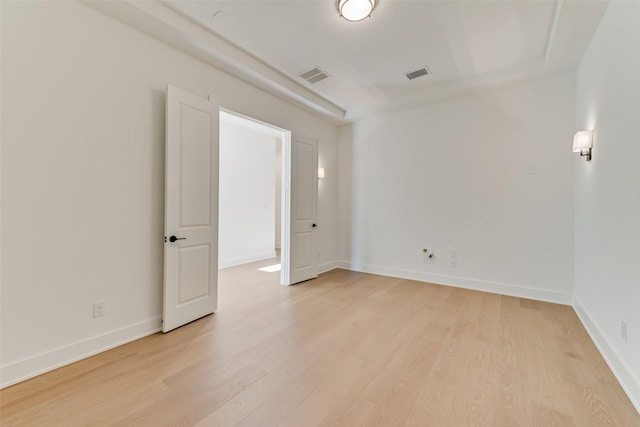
x=271, y=269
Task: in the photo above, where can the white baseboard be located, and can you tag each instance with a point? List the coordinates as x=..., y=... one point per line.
x=463, y=282
x=620, y=369
x=226, y=263
x=61, y=356
x=327, y=266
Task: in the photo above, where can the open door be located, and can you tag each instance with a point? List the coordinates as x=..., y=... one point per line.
x=301, y=211
x=191, y=208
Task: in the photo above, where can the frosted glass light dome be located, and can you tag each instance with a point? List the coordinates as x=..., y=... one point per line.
x=355, y=10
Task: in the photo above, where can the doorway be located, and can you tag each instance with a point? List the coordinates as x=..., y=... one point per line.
x=192, y=170
x=252, y=195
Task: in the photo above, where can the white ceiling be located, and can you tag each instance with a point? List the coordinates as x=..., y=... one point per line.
x=465, y=44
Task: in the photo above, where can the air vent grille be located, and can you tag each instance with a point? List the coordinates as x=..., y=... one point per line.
x=314, y=75
x=417, y=73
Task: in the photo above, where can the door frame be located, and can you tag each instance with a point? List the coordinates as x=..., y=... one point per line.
x=285, y=202
x=285, y=209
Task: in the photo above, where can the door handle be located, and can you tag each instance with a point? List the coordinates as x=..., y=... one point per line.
x=174, y=238
x=314, y=225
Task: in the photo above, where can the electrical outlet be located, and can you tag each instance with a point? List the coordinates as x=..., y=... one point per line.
x=427, y=256
x=623, y=330
x=99, y=309
x=453, y=262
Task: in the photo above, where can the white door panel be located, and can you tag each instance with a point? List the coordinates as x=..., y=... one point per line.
x=191, y=208
x=304, y=196
x=193, y=265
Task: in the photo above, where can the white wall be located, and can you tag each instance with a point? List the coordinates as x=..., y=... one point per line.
x=83, y=181
x=247, y=195
x=487, y=175
x=607, y=192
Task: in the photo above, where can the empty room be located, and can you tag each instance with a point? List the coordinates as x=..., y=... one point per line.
x=451, y=199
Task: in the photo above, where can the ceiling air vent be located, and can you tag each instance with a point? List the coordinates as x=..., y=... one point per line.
x=417, y=73
x=314, y=75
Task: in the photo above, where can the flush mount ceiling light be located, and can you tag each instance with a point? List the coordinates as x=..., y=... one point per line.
x=355, y=10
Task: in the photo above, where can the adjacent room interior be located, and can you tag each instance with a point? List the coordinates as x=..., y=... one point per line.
x=250, y=199
x=474, y=230
x=250, y=191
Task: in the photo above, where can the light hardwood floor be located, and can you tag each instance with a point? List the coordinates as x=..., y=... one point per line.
x=345, y=349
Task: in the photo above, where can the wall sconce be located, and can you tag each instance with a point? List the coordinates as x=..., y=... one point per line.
x=320, y=173
x=583, y=142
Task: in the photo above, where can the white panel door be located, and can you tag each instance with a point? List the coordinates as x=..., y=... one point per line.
x=304, y=200
x=191, y=208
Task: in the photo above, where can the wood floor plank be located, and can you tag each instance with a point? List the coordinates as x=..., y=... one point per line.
x=345, y=349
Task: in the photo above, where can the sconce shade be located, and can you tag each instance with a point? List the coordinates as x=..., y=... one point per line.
x=320, y=173
x=355, y=10
x=582, y=141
